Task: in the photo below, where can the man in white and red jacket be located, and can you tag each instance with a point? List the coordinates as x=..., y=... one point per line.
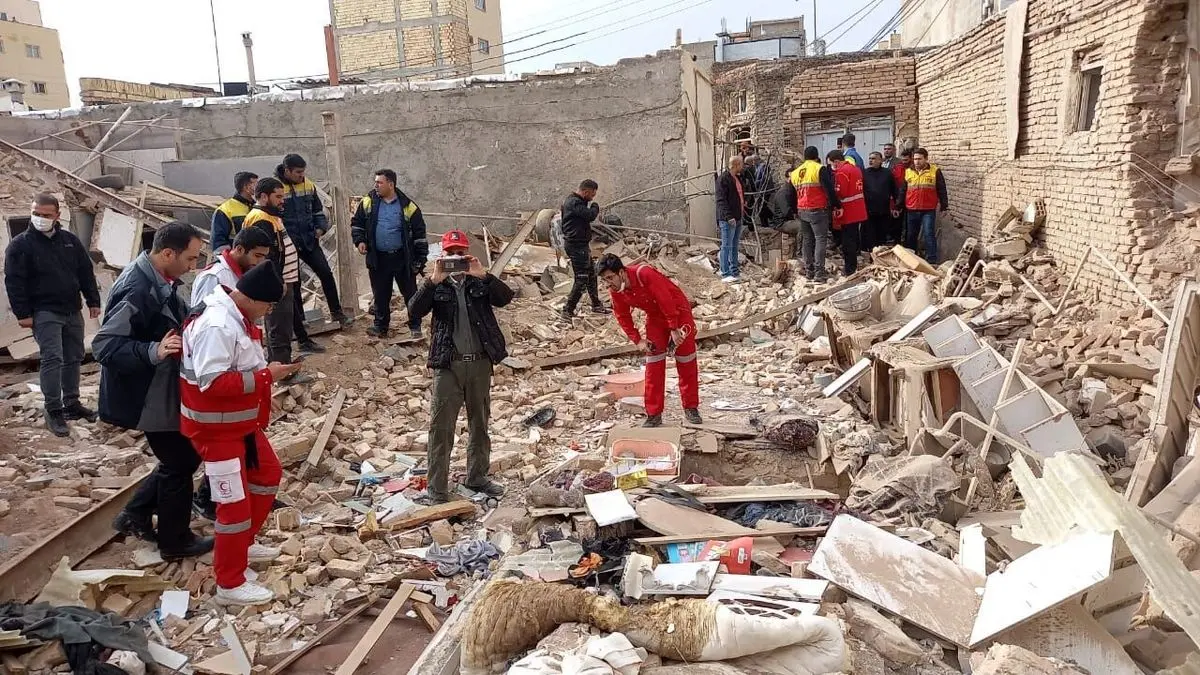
x=225, y=387
x=670, y=330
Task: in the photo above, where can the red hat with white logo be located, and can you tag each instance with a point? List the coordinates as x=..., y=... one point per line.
x=455, y=239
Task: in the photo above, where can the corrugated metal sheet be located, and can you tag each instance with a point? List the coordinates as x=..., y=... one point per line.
x=1072, y=495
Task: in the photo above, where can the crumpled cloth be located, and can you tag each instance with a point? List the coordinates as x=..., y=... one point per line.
x=469, y=556
x=612, y=654
x=800, y=514
x=78, y=628
x=897, y=486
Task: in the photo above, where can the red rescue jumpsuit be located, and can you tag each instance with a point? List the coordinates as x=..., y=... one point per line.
x=225, y=405
x=667, y=309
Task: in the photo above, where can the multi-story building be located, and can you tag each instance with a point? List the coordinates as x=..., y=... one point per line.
x=928, y=23
x=768, y=39
x=31, y=53
x=426, y=39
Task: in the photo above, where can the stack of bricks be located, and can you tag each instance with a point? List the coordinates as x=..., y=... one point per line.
x=1093, y=192
x=370, y=40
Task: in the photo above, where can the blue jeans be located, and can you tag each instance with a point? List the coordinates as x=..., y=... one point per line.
x=731, y=235
x=923, y=223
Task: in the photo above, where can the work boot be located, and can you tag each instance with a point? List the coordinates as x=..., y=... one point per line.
x=77, y=411
x=57, y=423
x=431, y=498
x=311, y=346
x=246, y=595
x=194, y=548
x=566, y=315
x=652, y=421
x=692, y=415
x=260, y=553
x=298, y=378
x=600, y=309
x=129, y=525
x=204, y=507
x=341, y=318
x=491, y=488
x=377, y=332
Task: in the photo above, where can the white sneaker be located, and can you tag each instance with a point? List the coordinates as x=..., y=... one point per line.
x=250, y=575
x=260, y=553
x=729, y=280
x=247, y=594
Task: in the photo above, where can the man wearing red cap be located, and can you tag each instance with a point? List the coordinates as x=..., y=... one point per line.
x=670, y=331
x=225, y=403
x=465, y=343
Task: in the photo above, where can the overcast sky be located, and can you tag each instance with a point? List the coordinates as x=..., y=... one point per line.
x=172, y=40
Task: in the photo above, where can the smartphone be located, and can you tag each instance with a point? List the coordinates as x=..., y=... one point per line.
x=455, y=263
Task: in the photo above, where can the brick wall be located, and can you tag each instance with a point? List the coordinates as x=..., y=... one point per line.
x=377, y=52
x=1093, y=192
x=782, y=93
x=352, y=13
x=416, y=9
x=363, y=52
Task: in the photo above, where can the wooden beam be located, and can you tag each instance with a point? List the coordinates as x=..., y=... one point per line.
x=23, y=578
x=428, y=514
x=331, y=418
x=114, y=146
x=726, y=536
x=360, y=651
x=47, y=137
x=422, y=609
x=734, y=494
x=322, y=636
x=442, y=656
x=622, y=350
x=95, y=153
x=184, y=196
x=347, y=256
x=510, y=249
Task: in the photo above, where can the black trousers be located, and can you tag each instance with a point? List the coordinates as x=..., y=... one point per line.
x=167, y=491
x=585, y=277
x=851, y=242
x=299, y=330
x=876, y=231
x=316, y=261
x=391, y=268
x=281, y=326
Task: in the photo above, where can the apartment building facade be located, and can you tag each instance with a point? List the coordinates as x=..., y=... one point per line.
x=417, y=39
x=31, y=54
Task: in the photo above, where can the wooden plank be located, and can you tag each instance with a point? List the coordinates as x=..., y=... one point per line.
x=360, y=651
x=322, y=636
x=1041, y=580
x=331, y=417
x=459, y=507
x=726, y=536
x=671, y=520
x=725, y=430
x=914, y=583
x=510, y=249
x=754, y=320
x=442, y=655
x=735, y=494
x=23, y=577
x=426, y=614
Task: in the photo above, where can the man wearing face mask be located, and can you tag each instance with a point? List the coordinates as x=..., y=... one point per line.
x=670, y=331
x=46, y=270
x=465, y=343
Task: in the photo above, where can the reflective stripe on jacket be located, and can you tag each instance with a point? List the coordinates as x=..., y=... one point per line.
x=224, y=383
x=227, y=221
x=921, y=189
x=848, y=181
x=810, y=194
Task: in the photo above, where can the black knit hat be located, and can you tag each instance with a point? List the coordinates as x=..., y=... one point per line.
x=262, y=283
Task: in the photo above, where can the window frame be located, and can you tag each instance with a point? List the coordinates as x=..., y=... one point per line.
x=33, y=51
x=481, y=5
x=40, y=88
x=483, y=46
x=1089, y=90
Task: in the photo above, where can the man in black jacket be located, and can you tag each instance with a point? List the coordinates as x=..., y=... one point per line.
x=464, y=345
x=579, y=211
x=731, y=209
x=46, y=268
x=389, y=229
x=304, y=217
x=881, y=194
x=138, y=348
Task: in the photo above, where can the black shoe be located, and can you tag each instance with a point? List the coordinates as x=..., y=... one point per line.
x=203, y=507
x=415, y=333
x=311, y=346
x=652, y=421
x=128, y=525
x=57, y=424
x=377, y=332
x=341, y=318
x=430, y=498
x=692, y=415
x=194, y=548
x=566, y=315
x=600, y=309
x=77, y=411
x=490, y=488
x=298, y=378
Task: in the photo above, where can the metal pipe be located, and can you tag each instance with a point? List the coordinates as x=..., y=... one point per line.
x=216, y=48
x=249, y=44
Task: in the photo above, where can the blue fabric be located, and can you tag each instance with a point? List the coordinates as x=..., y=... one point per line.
x=924, y=224
x=731, y=234
x=858, y=160
x=389, y=234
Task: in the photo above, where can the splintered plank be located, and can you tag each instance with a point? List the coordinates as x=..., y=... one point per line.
x=331, y=418
x=360, y=651
x=911, y=582
x=674, y=521
x=408, y=521
x=734, y=494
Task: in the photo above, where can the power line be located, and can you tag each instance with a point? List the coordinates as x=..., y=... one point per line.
x=849, y=28
x=844, y=21
x=917, y=42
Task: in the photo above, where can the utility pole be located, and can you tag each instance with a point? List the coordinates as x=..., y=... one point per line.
x=347, y=256
x=249, y=61
x=216, y=48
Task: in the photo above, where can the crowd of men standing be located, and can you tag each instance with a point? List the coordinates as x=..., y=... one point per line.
x=842, y=202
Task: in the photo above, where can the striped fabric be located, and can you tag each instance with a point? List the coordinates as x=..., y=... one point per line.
x=291, y=260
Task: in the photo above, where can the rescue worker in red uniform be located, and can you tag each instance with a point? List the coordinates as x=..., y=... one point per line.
x=670, y=330
x=850, y=216
x=225, y=390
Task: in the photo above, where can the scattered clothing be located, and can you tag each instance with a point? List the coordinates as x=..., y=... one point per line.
x=800, y=514
x=466, y=557
x=76, y=627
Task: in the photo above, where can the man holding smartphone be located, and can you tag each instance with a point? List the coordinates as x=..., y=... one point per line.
x=465, y=343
